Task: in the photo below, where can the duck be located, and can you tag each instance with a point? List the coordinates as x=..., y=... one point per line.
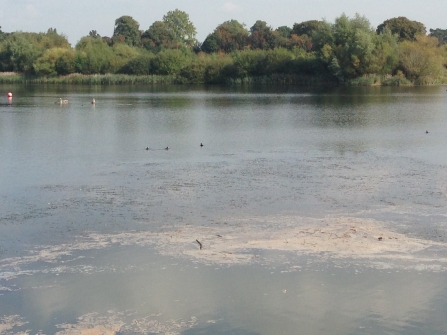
x=147, y=148
x=93, y=101
x=201, y=144
x=167, y=148
x=62, y=101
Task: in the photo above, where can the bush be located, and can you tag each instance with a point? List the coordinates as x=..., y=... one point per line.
x=141, y=65
x=170, y=61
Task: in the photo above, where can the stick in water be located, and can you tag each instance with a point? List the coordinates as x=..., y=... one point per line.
x=200, y=244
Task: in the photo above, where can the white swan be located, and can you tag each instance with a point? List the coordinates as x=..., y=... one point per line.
x=62, y=101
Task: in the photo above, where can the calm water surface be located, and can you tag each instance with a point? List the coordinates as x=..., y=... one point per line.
x=70, y=170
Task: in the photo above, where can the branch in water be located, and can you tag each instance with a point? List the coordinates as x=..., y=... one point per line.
x=200, y=244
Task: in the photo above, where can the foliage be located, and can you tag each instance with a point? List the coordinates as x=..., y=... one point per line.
x=322, y=37
x=227, y=37
x=140, y=65
x=440, y=34
x=108, y=79
x=405, y=29
x=19, y=50
x=195, y=72
x=178, y=22
x=263, y=37
x=18, y=53
x=302, y=42
x=126, y=31
x=93, y=56
x=122, y=54
x=347, y=51
x=65, y=64
x=159, y=37
x=45, y=65
x=284, y=31
x=170, y=62
x=94, y=34
x=422, y=60
x=3, y=35
x=353, y=45
x=306, y=28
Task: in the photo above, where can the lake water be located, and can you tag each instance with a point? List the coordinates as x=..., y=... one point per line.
x=306, y=211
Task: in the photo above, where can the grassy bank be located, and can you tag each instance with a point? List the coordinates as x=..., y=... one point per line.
x=96, y=79
x=275, y=79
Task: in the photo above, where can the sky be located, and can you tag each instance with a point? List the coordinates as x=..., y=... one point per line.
x=76, y=18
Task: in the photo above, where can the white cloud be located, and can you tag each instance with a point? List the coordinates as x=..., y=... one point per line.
x=231, y=7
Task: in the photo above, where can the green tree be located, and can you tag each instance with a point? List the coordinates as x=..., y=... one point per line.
x=3, y=35
x=19, y=53
x=19, y=50
x=159, y=37
x=122, y=54
x=422, y=60
x=178, y=22
x=52, y=39
x=65, y=64
x=140, y=65
x=249, y=63
x=405, y=29
x=354, y=43
x=322, y=38
x=195, y=72
x=278, y=60
x=306, y=27
x=303, y=42
x=440, y=34
x=284, y=31
x=171, y=61
x=45, y=65
x=94, y=34
x=384, y=57
x=263, y=37
x=216, y=71
x=93, y=55
x=227, y=37
x=126, y=31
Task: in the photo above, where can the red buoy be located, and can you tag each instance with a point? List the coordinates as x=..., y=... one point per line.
x=9, y=95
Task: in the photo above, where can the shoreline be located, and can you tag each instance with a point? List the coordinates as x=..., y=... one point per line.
x=275, y=79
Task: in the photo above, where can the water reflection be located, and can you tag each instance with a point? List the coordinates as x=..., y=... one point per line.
x=71, y=170
x=128, y=285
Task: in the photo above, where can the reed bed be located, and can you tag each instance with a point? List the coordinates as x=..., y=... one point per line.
x=96, y=79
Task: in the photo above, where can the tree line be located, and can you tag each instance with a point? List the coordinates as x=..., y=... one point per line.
x=348, y=50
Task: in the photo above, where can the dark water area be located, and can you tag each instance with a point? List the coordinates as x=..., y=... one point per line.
x=72, y=170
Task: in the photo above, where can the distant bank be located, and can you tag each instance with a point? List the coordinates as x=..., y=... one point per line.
x=274, y=79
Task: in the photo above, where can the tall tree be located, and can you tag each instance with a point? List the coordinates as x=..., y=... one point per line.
x=3, y=35
x=440, y=34
x=227, y=37
x=263, y=37
x=284, y=31
x=422, y=60
x=94, y=34
x=20, y=53
x=178, y=22
x=45, y=65
x=126, y=31
x=159, y=37
x=354, y=43
x=403, y=27
x=306, y=27
x=93, y=55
